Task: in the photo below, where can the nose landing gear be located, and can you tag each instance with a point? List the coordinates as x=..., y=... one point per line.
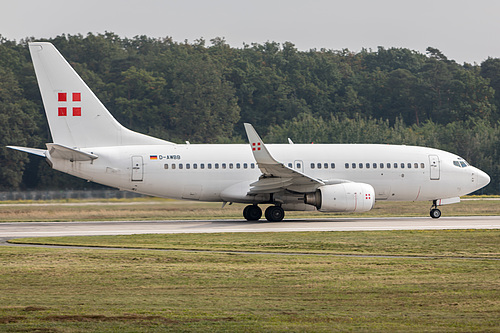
x=435, y=213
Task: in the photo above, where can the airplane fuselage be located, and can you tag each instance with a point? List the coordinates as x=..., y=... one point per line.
x=206, y=172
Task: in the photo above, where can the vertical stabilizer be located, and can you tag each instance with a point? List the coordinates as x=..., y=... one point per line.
x=76, y=117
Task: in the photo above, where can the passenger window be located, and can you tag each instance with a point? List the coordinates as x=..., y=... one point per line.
x=299, y=166
x=312, y=165
x=202, y=166
x=354, y=165
x=223, y=165
x=361, y=165
x=381, y=165
x=245, y=166
x=395, y=165
x=368, y=165
x=216, y=165
x=319, y=165
x=165, y=166
x=332, y=165
x=180, y=166
x=374, y=165
x=402, y=165
x=409, y=165
x=252, y=166
x=422, y=165
x=195, y=166
x=290, y=165
x=188, y=166
x=173, y=165
x=325, y=165
x=346, y=165
x=388, y=165
x=238, y=165
x=415, y=165
x=209, y=165
x=230, y=165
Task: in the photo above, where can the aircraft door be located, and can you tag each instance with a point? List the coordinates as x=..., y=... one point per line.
x=137, y=169
x=298, y=165
x=434, y=165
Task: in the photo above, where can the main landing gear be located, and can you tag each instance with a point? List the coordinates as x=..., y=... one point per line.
x=435, y=212
x=252, y=213
x=273, y=213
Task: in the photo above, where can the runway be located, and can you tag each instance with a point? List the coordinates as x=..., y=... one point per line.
x=45, y=229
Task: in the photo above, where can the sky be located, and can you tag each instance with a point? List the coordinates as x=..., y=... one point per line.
x=464, y=31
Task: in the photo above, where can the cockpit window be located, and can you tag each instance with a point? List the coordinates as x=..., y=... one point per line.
x=460, y=163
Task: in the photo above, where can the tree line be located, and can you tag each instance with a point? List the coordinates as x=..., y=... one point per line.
x=204, y=91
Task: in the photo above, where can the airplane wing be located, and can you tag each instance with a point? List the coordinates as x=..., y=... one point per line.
x=275, y=175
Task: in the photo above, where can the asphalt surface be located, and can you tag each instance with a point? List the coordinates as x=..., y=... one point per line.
x=44, y=229
x=39, y=229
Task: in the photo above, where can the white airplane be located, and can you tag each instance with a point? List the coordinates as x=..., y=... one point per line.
x=89, y=143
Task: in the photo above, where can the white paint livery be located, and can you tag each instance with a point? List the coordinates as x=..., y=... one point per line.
x=89, y=143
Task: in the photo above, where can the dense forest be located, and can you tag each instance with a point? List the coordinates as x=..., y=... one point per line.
x=204, y=91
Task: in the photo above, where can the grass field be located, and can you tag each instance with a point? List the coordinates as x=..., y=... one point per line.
x=82, y=290
x=163, y=209
x=434, y=281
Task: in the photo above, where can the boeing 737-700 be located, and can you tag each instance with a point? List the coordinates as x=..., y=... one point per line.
x=89, y=143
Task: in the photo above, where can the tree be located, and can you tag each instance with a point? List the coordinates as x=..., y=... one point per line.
x=204, y=105
x=17, y=127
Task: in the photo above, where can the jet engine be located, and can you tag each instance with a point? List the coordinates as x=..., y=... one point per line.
x=345, y=197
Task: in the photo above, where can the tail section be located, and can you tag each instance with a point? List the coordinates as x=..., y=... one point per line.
x=76, y=117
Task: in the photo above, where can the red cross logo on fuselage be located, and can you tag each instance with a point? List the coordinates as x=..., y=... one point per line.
x=62, y=98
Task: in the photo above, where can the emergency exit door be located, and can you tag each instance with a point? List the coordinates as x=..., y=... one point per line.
x=434, y=165
x=137, y=169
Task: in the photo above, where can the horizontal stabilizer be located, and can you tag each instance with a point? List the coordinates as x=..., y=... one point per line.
x=67, y=153
x=34, y=151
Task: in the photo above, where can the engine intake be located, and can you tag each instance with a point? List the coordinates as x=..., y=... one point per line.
x=345, y=197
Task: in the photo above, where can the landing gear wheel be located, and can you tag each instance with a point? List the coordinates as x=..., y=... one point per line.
x=435, y=213
x=275, y=214
x=252, y=213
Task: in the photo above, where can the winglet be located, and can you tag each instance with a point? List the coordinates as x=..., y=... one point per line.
x=259, y=150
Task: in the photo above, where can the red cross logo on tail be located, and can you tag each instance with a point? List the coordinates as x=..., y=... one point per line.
x=258, y=146
x=62, y=98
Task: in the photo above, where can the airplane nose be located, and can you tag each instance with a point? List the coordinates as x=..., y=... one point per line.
x=482, y=179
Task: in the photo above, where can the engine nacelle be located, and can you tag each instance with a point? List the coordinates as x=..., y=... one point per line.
x=345, y=197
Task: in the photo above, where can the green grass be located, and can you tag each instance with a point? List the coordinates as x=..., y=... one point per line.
x=85, y=290
x=466, y=243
